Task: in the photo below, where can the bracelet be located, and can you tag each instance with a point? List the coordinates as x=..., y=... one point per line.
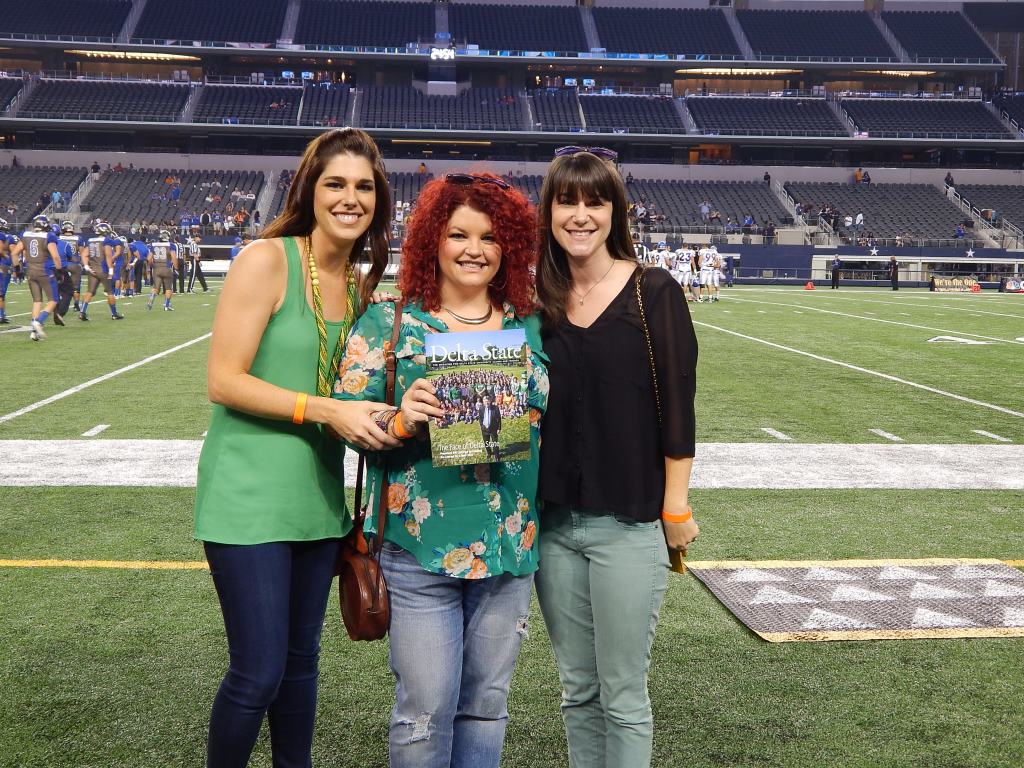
x=299, y=415
x=677, y=517
x=383, y=419
x=400, y=431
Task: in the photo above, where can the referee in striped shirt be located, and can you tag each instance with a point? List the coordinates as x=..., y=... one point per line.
x=195, y=255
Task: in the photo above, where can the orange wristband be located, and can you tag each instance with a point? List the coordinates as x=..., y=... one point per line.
x=299, y=415
x=400, y=431
x=681, y=517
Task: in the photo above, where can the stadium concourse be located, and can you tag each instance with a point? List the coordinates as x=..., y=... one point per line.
x=858, y=448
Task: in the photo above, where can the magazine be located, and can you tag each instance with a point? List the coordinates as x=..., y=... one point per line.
x=481, y=381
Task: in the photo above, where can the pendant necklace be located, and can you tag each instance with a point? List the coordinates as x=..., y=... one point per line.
x=471, y=320
x=583, y=296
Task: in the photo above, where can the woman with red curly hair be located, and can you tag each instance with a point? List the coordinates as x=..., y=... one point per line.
x=459, y=550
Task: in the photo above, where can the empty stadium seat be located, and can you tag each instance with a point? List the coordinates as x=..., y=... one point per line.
x=239, y=21
x=105, y=100
x=23, y=186
x=364, y=24
x=889, y=210
x=680, y=200
x=1006, y=200
x=248, y=104
x=557, y=109
x=393, y=106
x=937, y=36
x=814, y=35
x=925, y=118
x=9, y=87
x=758, y=116
x=691, y=31
x=326, y=104
x=634, y=114
x=80, y=18
x=501, y=27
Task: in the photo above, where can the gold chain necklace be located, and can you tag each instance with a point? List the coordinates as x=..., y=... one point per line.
x=327, y=370
x=583, y=296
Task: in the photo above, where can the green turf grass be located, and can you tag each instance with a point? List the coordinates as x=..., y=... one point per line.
x=119, y=668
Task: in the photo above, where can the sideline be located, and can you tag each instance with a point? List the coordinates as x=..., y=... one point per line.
x=100, y=379
x=771, y=465
x=868, y=371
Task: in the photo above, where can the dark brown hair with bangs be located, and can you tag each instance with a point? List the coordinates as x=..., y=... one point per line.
x=575, y=177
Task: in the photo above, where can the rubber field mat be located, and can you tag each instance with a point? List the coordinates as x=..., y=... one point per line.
x=808, y=601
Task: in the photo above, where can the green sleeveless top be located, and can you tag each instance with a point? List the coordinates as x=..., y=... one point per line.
x=263, y=480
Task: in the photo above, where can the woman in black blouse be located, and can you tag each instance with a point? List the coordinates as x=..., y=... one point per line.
x=616, y=456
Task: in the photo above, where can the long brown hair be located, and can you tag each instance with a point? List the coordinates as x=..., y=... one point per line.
x=297, y=218
x=580, y=176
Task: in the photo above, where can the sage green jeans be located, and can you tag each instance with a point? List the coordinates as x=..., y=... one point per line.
x=601, y=583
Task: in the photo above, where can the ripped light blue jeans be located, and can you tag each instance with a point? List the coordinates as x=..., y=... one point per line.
x=454, y=644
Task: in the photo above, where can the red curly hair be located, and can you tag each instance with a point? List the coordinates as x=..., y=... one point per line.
x=513, y=221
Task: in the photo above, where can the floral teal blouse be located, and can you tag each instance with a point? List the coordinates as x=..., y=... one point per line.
x=470, y=521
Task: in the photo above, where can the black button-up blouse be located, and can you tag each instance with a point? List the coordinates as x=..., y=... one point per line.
x=602, y=447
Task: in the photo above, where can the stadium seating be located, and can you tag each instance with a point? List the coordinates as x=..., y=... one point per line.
x=814, y=35
x=634, y=114
x=1007, y=201
x=80, y=18
x=325, y=104
x=23, y=187
x=237, y=21
x=393, y=106
x=364, y=24
x=277, y=204
x=996, y=16
x=248, y=104
x=9, y=87
x=764, y=116
x=105, y=100
x=889, y=210
x=906, y=118
x=1012, y=105
x=679, y=200
x=691, y=32
x=502, y=27
x=142, y=195
x=557, y=109
x=937, y=36
x=406, y=186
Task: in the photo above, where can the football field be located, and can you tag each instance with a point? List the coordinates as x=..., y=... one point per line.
x=831, y=425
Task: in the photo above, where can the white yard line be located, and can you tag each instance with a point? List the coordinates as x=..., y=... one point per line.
x=867, y=371
x=877, y=320
x=100, y=379
x=776, y=434
x=95, y=430
x=172, y=463
x=983, y=433
x=972, y=310
x=887, y=435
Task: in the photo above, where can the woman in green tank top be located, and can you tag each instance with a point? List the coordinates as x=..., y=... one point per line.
x=270, y=504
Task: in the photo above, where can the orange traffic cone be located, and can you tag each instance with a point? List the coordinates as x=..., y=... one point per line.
x=809, y=286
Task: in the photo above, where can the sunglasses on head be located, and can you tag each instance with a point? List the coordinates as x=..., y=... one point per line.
x=469, y=178
x=601, y=152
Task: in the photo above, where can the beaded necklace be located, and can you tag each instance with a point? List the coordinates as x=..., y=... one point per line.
x=328, y=371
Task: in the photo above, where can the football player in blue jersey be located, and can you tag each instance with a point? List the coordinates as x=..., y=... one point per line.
x=71, y=254
x=6, y=264
x=163, y=258
x=138, y=255
x=39, y=250
x=117, y=254
x=96, y=263
x=235, y=249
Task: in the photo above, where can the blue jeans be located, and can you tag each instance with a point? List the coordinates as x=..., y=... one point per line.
x=273, y=597
x=600, y=584
x=454, y=644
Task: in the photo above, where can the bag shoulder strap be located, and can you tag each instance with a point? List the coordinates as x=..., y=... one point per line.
x=647, y=335
x=390, y=368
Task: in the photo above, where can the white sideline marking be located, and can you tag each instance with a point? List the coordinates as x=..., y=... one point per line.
x=99, y=379
x=172, y=463
x=887, y=435
x=877, y=320
x=775, y=433
x=868, y=371
x=95, y=430
x=983, y=433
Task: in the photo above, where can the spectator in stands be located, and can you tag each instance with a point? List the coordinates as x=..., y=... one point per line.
x=960, y=233
x=175, y=193
x=705, y=211
x=949, y=179
x=95, y=169
x=217, y=221
x=858, y=176
x=629, y=178
x=731, y=227
x=229, y=208
x=715, y=217
x=866, y=179
x=118, y=168
x=205, y=219
x=422, y=169
x=848, y=223
x=14, y=162
x=767, y=178
x=605, y=521
x=56, y=199
x=769, y=230
x=748, y=224
x=858, y=221
x=270, y=499
x=256, y=222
